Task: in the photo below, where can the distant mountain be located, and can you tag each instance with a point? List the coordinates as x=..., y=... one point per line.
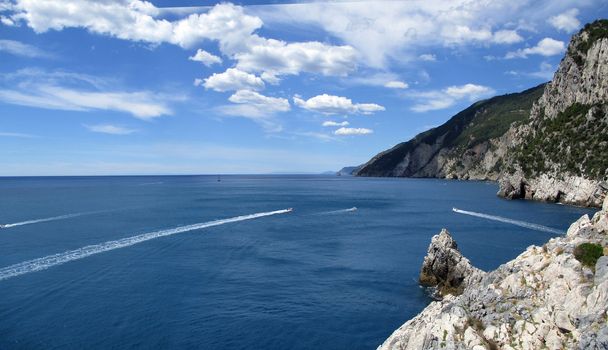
x=546, y=143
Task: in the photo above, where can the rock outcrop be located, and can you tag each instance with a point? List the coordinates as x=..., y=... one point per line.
x=445, y=269
x=543, y=299
x=547, y=143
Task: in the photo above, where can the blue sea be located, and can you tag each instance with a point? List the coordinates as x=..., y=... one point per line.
x=143, y=262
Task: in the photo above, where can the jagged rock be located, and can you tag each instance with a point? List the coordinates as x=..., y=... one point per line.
x=445, y=268
x=544, y=298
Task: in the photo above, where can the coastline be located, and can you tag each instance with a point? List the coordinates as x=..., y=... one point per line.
x=547, y=297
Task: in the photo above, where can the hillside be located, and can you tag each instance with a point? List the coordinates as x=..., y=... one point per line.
x=456, y=148
x=546, y=143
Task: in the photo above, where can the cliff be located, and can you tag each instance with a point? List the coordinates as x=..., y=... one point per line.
x=546, y=143
x=549, y=297
x=465, y=147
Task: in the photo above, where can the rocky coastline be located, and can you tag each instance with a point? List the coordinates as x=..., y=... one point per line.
x=549, y=297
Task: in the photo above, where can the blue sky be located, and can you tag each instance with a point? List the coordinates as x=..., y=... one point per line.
x=190, y=87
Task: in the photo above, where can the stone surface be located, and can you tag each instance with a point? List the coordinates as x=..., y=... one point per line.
x=543, y=299
x=445, y=268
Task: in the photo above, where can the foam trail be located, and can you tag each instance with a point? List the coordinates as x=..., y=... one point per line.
x=54, y=218
x=510, y=221
x=338, y=211
x=80, y=253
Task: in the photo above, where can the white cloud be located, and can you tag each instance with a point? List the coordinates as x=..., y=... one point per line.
x=266, y=104
x=395, y=84
x=18, y=48
x=332, y=123
x=353, y=131
x=225, y=23
x=566, y=21
x=330, y=104
x=233, y=79
x=545, y=47
x=506, y=37
x=110, y=129
x=545, y=71
x=65, y=91
x=277, y=57
x=427, y=57
x=206, y=58
x=441, y=99
x=7, y=21
x=402, y=30
x=257, y=107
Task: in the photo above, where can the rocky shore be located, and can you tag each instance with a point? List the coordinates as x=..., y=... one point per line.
x=549, y=297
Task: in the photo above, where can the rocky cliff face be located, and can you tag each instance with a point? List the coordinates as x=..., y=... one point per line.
x=547, y=143
x=560, y=154
x=549, y=297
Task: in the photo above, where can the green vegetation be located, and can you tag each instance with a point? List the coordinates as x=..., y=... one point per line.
x=574, y=142
x=596, y=30
x=588, y=253
x=482, y=121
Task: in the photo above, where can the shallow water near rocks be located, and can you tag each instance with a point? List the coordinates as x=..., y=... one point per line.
x=344, y=279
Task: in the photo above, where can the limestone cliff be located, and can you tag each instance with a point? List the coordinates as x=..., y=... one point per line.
x=560, y=153
x=549, y=297
x=547, y=143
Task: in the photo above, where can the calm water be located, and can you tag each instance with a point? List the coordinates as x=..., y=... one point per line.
x=310, y=278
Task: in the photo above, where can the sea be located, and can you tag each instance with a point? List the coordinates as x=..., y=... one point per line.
x=238, y=262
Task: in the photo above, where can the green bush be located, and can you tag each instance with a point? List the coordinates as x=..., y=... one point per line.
x=588, y=253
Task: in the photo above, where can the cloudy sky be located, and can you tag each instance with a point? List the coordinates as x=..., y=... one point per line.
x=188, y=87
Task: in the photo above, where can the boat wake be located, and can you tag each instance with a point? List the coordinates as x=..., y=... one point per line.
x=519, y=223
x=54, y=218
x=80, y=253
x=338, y=211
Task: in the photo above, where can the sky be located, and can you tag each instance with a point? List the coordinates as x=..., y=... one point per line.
x=124, y=87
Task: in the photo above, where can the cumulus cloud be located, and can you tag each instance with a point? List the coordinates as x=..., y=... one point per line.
x=506, y=37
x=225, y=23
x=257, y=107
x=233, y=79
x=353, y=131
x=18, y=48
x=545, y=47
x=206, y=58
x=427, y=57
x=277, y=57
x=110, y=129
x=333, y=124
x=330, y=104
x=445, y=98
x=78, y=92
x=566, y=21
x=395, y=84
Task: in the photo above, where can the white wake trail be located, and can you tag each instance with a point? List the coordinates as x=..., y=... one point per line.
x=338, y=211
x=80, y=253
x=35, y=221
x=510, y=221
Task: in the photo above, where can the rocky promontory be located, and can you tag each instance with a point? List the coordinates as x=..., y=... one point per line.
x=547, y=143
x=549, y=297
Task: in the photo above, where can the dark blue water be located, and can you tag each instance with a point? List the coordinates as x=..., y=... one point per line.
x=298, y=280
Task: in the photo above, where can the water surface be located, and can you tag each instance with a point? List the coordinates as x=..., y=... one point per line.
x=323, y=275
